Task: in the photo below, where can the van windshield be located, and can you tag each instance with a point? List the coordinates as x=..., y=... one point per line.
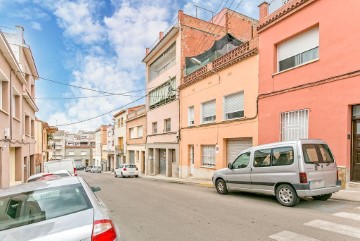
x=317, y=153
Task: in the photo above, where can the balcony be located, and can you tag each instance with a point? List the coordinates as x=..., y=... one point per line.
x=276, y=4
x=136, y=113
x=244, y=51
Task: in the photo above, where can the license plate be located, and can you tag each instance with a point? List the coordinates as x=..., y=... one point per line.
x=131, y=172
x=317, y=184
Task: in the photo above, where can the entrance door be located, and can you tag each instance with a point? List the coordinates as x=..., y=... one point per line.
x=191, y=158
x=12, y=166
x=162, y=156
x=132, y=157
x=355, y=168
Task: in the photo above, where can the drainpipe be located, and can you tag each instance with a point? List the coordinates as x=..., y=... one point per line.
x=10, y=105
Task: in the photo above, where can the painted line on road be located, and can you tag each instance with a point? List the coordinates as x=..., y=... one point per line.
x=290, y=236
x=335, y=228
x=348, y=215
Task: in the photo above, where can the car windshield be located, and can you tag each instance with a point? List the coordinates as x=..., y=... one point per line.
x=40, y=205
x=317, y=153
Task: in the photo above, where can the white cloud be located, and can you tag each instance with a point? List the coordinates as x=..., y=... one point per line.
x=36, y=26
x=79, y=22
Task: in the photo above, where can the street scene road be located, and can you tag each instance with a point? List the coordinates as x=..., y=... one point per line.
x=158, y=210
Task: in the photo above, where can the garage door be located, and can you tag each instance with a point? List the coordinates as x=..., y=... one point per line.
x=235, y=146
x=162, y=155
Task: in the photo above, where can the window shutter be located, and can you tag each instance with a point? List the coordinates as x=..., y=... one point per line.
x=234, y=103
x=298, y=44
x=209, y=108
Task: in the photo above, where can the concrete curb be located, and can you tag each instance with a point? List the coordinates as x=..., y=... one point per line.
x=185, y=181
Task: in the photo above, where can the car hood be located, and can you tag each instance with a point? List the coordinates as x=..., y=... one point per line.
x=75, y=226
x=221, y=171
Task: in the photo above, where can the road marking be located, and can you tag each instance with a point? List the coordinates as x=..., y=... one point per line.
x=336, y=228
x=290, y=236
x=348, y=215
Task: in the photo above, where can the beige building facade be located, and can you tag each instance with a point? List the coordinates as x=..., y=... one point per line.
x=136, y=137
x=17, y=109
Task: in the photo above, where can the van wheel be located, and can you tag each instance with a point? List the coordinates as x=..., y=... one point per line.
x=286, y=195
x=115, y=175
x=121, y=175
x=221, y=187
x=323, y=197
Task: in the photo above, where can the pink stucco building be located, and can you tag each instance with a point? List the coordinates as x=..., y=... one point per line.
x=309, y=76
x=17, y=108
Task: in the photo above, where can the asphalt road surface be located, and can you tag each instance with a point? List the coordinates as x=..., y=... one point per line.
x=156, y=210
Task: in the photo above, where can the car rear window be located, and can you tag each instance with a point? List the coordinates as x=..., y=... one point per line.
x=40, y=205
x=317, y=153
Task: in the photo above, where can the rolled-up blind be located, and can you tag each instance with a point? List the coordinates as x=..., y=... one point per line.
x=209, y=108
x=234, y=103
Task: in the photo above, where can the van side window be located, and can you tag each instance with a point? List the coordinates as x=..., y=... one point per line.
x=242, y=161
x=283, y=156
x=262, y=158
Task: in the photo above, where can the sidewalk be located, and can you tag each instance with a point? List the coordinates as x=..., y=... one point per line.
x=352, y=193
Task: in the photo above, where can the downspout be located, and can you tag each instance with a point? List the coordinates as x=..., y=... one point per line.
x=10, y=106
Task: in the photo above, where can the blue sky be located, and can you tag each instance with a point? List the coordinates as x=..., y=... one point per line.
x=98, y=45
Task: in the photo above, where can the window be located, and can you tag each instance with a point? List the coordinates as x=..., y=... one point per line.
x=118, y=123
x=208, y=155
x=167, y=125
x=109, y=133
x=298, y=50
x=262, y=158
x=139, y=131
x=83, y=153
x=32, y=128
x=154, y=127
x=191, y=116
x=27, y=125
x=294, y=125
x=317, y=153
x=122, y=121
x=16, y=105
x=71, y=153
x=132, y=133
x=166, y=60
x=3, y=94
x=234, y=106
x=26, y=208
x=191, y=154
x=163, y=94
x=209, y=111
x=283, y=156
x=242, y=161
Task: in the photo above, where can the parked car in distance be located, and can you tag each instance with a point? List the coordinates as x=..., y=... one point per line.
x=289, y=170
x=126, y=170
x=57, y=165
x=60, y=209
x=39, y=176
x=88, y=168
x=96, y=169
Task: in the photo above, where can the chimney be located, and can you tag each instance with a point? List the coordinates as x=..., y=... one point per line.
x=180, y=16
x=19, y=35
x=161, y=35
x=263, y=11
x=147, y=51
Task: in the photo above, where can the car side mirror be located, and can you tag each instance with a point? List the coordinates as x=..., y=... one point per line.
x=230, y=166
x=95, y=189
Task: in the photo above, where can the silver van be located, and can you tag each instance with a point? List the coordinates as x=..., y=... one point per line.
x=288, y=170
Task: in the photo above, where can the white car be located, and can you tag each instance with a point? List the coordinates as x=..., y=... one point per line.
x=44, y=175
x=127, y=170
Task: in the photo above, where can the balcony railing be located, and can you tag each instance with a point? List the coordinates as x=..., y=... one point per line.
x=136, y=113
x=276, y=4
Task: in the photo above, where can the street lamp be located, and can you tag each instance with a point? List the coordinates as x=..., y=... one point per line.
x=198, y=62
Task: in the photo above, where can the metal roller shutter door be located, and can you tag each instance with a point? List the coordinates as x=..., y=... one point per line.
x=235, y=146
x=162, y=155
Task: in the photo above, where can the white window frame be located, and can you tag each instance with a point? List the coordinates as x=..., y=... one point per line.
x=303, y=48
x=154, y=130
x=140, y=131
x=132, y=133
x=71, y=153
x=241, y=105
x=202, y=112
x=166, y=129
x=83, y=153
x=208, y=156
x=191, y=114
x=292, y=126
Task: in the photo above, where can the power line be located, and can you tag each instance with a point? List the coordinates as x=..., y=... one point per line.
x=91, y=118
